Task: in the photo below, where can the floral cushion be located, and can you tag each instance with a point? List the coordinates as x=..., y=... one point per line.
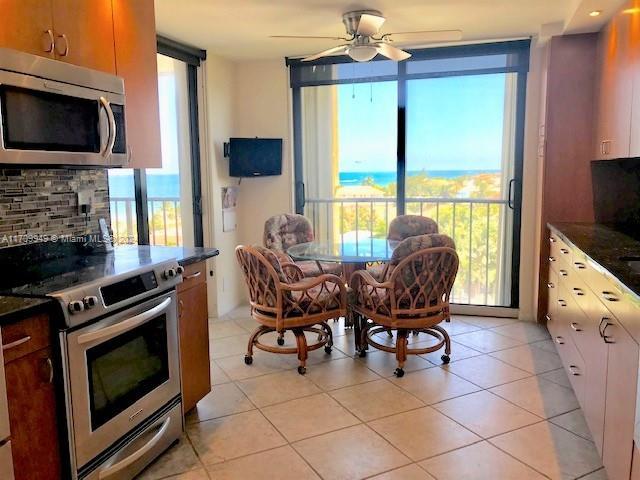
x=413, y=244
x=310, y=268
x=273, y=260
x=405, y=226
x=285, y=230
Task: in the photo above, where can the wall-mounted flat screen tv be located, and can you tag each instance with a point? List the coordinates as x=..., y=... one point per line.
x=255, y=157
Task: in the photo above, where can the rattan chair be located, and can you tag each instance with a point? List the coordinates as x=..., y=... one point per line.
x=283, y=299
x=288, y=229
x=413, y=296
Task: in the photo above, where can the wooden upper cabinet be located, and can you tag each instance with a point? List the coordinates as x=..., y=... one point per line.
x=135, y=42
x=84, y=33
x=27, y=26
x=615, y=89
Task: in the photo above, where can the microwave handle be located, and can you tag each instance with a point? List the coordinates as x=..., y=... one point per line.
x=124, y=325
x=112, y=127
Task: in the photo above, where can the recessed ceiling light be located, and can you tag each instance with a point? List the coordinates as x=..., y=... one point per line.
x=595, y=13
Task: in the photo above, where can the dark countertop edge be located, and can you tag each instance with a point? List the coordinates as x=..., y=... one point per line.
x=199, y=254
x=17, y=308
x=599, y=265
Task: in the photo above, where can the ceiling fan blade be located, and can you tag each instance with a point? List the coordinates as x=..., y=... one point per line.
x=342, y=49
x=308, y=37
x=425, y=36
x=392, y=52
x=369, y=24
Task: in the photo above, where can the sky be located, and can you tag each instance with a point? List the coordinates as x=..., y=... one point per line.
x=453, y=123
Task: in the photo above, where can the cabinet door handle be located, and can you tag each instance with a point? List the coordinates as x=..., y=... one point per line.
x=65, y=52
x=552, y=259
x=180, y=308
x=578, y=291
x=580, y=265
x=602, y=320
x=565, y=251
x=610, y=296
x=15, y=344
x=193, y=275
x=50, y=367
x=576, y=327
x=48, y=41
x=560, y=340
x=563, y=272
x=552, y=239
x=575, y=371
x=562, y=303
x=548, y=317
x=550, y=285
x=605, y=337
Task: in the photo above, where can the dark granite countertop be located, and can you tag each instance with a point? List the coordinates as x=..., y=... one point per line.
x=605, y=247
x=36, y=274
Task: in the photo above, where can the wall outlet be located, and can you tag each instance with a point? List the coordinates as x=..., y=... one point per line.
x=85, y=201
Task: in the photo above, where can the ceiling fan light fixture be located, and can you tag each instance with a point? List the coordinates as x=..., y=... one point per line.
x=362, y=53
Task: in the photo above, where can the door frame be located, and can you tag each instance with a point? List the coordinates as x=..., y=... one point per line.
x=520, y=48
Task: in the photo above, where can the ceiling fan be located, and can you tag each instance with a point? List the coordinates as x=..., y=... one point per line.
x=364, y=42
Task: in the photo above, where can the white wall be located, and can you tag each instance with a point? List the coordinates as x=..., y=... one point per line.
x=242, y=99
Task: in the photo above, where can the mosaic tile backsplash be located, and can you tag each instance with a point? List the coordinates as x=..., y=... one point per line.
x=38, y=202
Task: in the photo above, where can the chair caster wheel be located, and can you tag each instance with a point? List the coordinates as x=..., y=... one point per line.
x=280, y=341
x=302, y=370
x=362, y=353
x=445, y=359
x=248, y=360
x=399, y=372
x=327, y=349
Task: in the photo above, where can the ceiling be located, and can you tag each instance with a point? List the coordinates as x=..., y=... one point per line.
x=240, y=29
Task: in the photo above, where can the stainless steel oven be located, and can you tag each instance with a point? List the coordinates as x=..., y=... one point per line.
x=124, y=381
x=52, y=112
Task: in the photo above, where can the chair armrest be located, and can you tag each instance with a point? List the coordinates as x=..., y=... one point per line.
x=292, y=271
x=362, y=276
x=370, y=294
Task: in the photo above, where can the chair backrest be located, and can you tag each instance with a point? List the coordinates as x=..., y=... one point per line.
x=425, y=270
x=262, y=274
x=285, y=230
x=405, y=226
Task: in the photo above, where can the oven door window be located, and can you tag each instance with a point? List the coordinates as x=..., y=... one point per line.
x=35, y=120
x=126, y=368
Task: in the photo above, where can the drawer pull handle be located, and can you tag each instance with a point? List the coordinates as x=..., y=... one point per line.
x=578, y=291
x=562, y=303
x=580, y=265
x=564, y=273
x=602, y=320
x=193, y=275
x=565, y=251
x=550, y=285
x=575, y=371
x=576, y=327
x=17, y=343
x=548, y=317
x=560, y=340
x=552, y=239
x=552, y=259
x=605, y=337
x=609, y=297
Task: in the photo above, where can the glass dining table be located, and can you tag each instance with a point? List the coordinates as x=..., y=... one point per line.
x=353, y=255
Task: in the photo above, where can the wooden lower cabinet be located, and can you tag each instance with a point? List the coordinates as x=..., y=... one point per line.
x=32, y=416
x=193, y=322
x=619, y=421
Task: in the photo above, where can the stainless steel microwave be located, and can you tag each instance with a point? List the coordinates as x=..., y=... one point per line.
x=56, y=114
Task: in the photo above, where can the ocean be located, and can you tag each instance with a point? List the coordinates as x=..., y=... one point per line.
x=168, y=185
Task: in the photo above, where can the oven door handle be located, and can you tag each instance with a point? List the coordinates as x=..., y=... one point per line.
x=137, y=455
x=124, y=325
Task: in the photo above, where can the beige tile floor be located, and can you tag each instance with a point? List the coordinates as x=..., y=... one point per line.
x=502, y=409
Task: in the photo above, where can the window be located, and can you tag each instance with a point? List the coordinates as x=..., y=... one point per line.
x=161, y=206
x=438, y=135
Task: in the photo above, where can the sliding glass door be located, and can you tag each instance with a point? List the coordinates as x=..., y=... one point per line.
x=439, y=135
x=460, y=163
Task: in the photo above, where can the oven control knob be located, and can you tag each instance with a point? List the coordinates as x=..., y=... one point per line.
x=76, y=306
x=179, y=269
x=169, y=273
x=90, y=301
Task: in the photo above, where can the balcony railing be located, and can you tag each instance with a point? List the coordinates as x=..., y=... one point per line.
x=165, y=225
x=480, y=227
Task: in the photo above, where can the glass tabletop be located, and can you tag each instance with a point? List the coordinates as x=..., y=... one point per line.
x=361, y=251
